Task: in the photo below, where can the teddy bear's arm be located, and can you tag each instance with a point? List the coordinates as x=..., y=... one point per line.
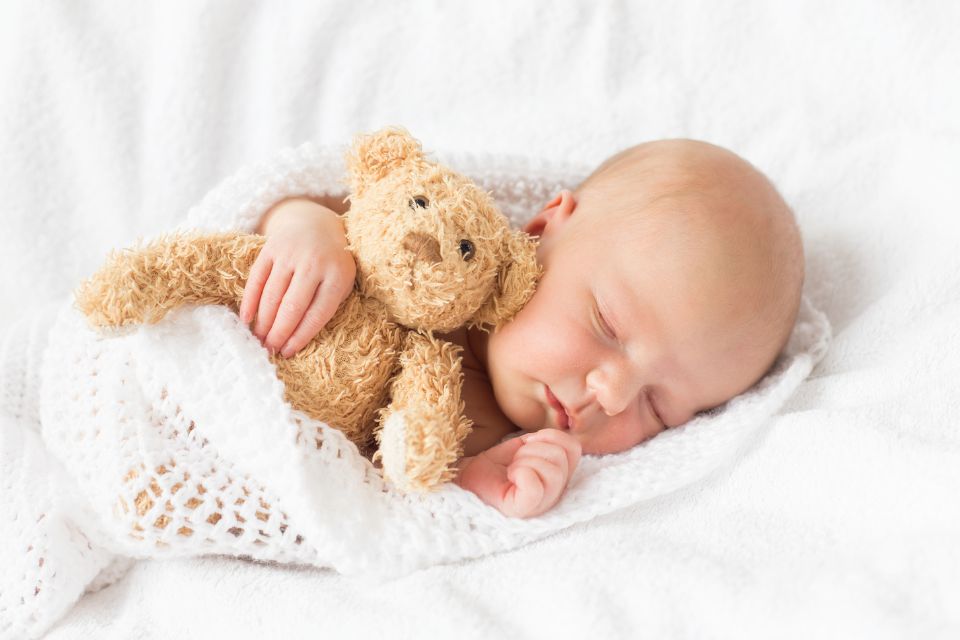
x=422, y=431
x=143, y=283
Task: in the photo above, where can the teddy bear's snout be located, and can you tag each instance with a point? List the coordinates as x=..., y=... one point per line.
x=424, y=247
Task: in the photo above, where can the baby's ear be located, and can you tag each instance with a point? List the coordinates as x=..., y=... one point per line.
x=516, y=281
x=374, y=155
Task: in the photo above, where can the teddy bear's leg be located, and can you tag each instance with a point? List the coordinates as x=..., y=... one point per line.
x=342, y=376
x=143, y=284
x=422, y=431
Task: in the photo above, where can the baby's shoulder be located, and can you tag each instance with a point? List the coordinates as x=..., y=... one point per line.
x=480, y=403
x=459, y=338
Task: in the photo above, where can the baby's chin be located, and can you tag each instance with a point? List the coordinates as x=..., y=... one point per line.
x=526, y=415
x=516, y=400
x=525, y=424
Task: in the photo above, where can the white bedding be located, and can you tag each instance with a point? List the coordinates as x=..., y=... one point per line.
x=842, y=520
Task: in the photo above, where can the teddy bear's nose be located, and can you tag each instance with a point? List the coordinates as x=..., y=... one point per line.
x=424, y=247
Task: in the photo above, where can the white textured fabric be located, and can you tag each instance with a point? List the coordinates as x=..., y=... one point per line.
x=177, y=441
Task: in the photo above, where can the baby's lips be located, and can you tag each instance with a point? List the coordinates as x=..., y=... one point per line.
x=563, y=418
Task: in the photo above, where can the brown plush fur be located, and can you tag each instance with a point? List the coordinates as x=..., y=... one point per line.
x=433, y=253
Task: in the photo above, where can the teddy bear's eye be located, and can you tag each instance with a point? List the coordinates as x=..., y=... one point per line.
x=467, y=249
x=419, y=201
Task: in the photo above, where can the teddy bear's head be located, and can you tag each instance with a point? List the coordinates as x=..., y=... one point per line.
x=429, y=243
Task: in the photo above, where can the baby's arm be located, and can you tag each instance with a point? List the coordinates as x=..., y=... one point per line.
x=300, y=277
x=523, y=476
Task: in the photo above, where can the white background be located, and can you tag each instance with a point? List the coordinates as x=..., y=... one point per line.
x=842, y=521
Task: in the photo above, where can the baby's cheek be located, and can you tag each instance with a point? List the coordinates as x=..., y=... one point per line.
x=513, y=389
x=534, y=347
x=532, y=350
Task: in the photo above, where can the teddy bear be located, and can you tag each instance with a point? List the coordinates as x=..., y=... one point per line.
x=433, y=254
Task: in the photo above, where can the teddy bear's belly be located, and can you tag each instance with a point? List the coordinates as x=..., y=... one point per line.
x=342, y=376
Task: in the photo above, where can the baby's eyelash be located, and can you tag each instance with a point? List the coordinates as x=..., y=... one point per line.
x=653, y=410
x=604, y=325
x=657, y=415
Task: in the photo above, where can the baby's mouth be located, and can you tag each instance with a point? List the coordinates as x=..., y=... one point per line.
x=563, y=417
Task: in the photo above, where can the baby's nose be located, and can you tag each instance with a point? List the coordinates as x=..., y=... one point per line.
x=615, y=387
x=423, y=246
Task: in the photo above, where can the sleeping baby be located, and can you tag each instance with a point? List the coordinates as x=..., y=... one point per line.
x=671, y=281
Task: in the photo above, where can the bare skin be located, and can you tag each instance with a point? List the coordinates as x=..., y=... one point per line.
x=671, y=281
x=301, y=276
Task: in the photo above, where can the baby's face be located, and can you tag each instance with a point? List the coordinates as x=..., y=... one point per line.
x=631, y=330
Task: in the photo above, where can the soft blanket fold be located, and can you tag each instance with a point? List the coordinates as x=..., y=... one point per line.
x=175, y=440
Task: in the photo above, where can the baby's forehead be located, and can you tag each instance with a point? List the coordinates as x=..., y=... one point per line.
x=674, y=248
x=657, y=219
x=690, y=209
x=653, y=170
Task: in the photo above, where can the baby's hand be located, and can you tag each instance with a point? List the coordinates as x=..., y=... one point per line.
x=524, y=476
x=301, y=276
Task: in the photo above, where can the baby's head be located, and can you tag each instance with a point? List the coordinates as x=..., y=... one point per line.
x=671, y=281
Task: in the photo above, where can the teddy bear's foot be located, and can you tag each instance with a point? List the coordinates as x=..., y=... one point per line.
x=421, y=432
x=418, y=450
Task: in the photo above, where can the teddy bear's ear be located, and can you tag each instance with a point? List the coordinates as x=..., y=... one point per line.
x=374, y=155
x=516, y=281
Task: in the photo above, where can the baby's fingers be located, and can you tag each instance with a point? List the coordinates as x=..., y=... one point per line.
x=539, y=484
x=523, y=498
x=257, y=278
x=270, y=299
x=549, y=451
x=325, y=303
x=570, y=445
x=297, y=298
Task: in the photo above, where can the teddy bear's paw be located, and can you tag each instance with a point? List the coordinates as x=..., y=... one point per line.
x=393, y=449
x=414, y=453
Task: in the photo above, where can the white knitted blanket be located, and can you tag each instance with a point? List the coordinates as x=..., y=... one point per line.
x=175, y=440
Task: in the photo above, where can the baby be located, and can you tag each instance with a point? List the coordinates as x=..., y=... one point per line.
x=671, y=281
